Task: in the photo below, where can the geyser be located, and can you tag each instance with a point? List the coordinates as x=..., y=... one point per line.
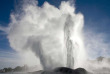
x=48, y=34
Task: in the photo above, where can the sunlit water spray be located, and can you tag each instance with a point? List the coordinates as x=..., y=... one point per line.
x=48, y=34
x=74, y=43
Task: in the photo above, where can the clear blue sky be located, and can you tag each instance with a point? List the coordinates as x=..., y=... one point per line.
x=96, y=14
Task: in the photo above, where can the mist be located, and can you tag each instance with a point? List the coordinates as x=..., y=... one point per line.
x=48, y=37
x=38, y=34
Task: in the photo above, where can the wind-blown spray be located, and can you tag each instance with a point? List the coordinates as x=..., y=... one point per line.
x=48, y=34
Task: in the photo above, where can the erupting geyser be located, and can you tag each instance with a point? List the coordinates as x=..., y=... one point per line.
x=68, y=42
x=73, y=42
x=48, y=34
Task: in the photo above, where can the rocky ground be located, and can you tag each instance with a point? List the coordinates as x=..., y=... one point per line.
x=62, y=70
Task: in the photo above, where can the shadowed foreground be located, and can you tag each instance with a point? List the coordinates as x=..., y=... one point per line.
x=62, y=70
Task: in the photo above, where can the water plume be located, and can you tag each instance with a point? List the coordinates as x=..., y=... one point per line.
x=49, y=35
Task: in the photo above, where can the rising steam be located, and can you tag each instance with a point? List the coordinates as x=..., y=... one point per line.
x=49, y=35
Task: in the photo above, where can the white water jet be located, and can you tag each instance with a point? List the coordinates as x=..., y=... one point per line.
x=74, y=43
x=48, y=34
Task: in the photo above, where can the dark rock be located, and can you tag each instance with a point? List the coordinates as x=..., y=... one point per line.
x=80, y=71
x=65, y=70
x=62, y=70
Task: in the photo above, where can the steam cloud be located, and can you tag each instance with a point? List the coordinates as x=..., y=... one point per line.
x=43, y=36
x=38, y=34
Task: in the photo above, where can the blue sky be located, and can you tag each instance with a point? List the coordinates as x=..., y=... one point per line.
x=96, y=14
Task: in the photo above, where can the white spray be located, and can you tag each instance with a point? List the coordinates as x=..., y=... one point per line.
x=47, y=34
